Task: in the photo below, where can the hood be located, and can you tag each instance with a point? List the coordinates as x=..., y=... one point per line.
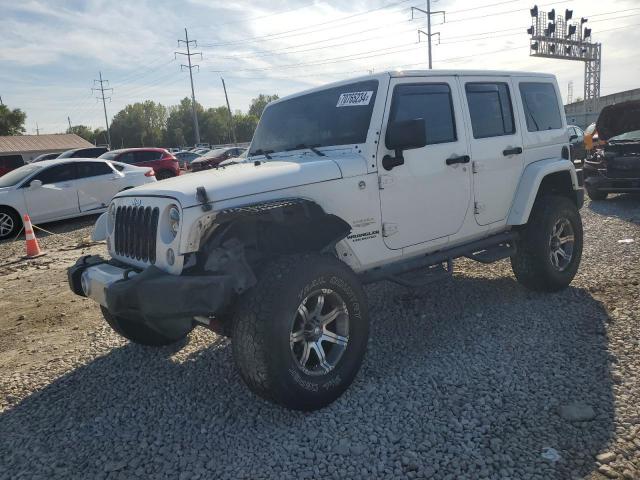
x=618, y=119
x=240, y=180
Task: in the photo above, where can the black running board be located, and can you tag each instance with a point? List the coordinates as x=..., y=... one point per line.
x=486, y=250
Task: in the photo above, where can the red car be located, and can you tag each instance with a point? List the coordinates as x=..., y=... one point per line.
x=10, y=162
x=165, y=164
x=215, y=157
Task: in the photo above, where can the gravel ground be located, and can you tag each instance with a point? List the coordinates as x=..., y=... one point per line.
x=474, y=378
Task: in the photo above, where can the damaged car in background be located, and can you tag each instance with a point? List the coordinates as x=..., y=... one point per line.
x=614, y=165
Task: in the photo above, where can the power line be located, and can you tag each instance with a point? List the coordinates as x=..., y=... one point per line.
x=101, y=88
x=304, y=30
x=188, y=43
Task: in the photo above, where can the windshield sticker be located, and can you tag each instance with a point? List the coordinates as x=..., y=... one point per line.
x=353, y=99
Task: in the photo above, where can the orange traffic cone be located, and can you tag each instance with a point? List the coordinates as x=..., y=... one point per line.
x=33, y=249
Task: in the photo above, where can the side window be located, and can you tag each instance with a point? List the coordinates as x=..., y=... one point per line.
x=126, y=158
x=429, y=101
x=57, y=174
x=146, y=156
x=93, y=169
x=11, y=161
x=540, y=106
x=490, y=109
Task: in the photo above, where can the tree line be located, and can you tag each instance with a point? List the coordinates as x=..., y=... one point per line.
x=151, y=124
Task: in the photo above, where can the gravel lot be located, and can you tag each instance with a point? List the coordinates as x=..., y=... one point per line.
x=474, y=378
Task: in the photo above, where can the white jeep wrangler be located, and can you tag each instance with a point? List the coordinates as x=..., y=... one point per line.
x=390, y=176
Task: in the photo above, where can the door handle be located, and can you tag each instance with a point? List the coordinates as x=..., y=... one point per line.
x=512, y=151
x=460, y=159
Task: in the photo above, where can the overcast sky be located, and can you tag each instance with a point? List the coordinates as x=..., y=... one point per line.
x=51, y=51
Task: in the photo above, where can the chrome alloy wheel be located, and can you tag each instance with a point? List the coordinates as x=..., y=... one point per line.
x=6, y=225
x=320, y=332
x=561, y=244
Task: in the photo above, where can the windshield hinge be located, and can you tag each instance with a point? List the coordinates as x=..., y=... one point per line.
x=476, y=167
x=384, y=181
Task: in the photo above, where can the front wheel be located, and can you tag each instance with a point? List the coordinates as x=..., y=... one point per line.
x=300, y=334
x=10, y=222
x=550, y=246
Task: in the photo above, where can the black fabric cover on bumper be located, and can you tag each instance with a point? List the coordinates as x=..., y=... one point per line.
x=167, y=303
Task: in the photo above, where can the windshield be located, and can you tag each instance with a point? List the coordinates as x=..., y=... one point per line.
x=17, y=175
x=633, y=136
x=335, y=116
x=109, y=155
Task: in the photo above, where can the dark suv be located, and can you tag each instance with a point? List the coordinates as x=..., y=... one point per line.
x=165, y=164
x=614, y=167
x=91, y=152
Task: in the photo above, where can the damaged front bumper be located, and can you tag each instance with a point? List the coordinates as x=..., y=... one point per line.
x=164, y=302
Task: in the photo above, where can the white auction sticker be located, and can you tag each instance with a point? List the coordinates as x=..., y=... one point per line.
x=354, y=98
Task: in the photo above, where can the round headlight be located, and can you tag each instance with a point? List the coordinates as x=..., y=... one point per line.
x=174, y=220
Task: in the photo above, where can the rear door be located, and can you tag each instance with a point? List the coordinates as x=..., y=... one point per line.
x=97, y=183
x=496, y=145
x=146, y=158
x=412, y=194
x=58, y=195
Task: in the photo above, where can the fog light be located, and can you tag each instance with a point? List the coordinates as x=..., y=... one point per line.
x=171, y=256
x=85, y=283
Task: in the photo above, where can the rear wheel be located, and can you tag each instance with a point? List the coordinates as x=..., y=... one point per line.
x=550, y=246
x=300, y=334
x=138, y=332
x=163, y=174
x=10, y=222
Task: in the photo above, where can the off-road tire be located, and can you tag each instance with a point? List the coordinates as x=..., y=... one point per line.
x=596, y=194
x=264, y=319
x=138, y=332
x=532, y=264
x=164, y=174
x=12, y=217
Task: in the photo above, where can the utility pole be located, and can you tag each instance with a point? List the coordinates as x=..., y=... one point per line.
x=37, y=129
x=69, y=118
x=428, y=33
x=104, y=104
x=1, y=100
x=232, y=130
x=570, y=92
x=188, y=43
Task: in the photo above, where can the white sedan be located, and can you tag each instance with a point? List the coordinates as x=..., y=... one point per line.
x=58, y=189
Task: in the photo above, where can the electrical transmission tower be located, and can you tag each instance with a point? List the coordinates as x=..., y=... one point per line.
x=428, y=33
x=190, y=66
x=102, y=89
x=570, y=92
x=552, y=36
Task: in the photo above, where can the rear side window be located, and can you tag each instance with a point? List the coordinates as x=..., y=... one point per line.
x=57, y=174
x=540, y=106
x=146, y=156
x=490, y=109
x=93, y=169
x=431, y=102
x=127, y=157
x=11, y=161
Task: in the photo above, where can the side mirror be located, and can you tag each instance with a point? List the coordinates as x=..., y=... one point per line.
x=404, y=135
x=35, y=184
x=573, y=137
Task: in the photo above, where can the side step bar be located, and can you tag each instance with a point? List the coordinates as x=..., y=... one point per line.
x=486, y=250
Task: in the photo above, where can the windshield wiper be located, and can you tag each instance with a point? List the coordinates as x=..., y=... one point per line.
x=313, y=148
x=262, y=152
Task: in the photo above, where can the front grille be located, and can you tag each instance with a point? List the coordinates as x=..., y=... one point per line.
x=135, y=232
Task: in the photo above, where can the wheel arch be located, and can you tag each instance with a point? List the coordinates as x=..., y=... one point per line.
x=552, y=176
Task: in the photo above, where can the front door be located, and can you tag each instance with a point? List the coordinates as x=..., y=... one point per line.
x=496, y=146
x=428, y=196
x=56, y=198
